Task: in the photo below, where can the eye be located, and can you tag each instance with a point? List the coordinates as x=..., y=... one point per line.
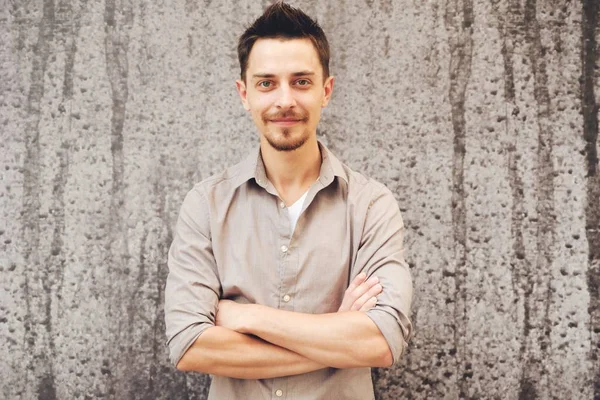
x=265, y=84
x=303, y=82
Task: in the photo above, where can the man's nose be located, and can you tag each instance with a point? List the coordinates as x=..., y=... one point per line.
x=286, y=97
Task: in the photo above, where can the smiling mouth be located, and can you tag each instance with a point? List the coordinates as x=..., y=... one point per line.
x=285, y=122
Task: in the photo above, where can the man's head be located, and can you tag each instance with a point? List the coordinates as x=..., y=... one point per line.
x=284, y=61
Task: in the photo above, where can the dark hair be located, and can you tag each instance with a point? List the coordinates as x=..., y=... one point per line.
x=281, y=20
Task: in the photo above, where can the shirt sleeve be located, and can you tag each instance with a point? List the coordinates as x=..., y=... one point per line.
x=381, y=254
x=193, y=288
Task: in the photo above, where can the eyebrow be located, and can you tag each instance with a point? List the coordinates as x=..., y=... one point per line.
x=296, y=74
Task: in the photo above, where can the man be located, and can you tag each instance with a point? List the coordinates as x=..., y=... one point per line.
x=287, y=276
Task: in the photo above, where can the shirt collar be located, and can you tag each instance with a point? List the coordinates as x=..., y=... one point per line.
x=253, y=167
x=330, y=167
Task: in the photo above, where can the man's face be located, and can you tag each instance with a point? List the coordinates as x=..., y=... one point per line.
x=284, y=90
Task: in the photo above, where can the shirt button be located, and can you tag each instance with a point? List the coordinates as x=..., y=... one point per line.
x=284, y=248
x=282, y=204
x=279, y=393
x=286, y=298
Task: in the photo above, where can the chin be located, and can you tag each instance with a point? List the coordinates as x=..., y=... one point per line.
x=285, y=141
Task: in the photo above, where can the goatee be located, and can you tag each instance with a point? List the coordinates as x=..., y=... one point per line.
x=286, y=145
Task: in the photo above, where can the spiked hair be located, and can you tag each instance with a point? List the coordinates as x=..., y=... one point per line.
x=282, y=21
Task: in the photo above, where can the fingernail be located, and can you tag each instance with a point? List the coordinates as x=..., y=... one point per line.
x=362, y=275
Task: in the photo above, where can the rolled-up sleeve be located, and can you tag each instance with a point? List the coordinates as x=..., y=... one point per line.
x=381, y=254
x=193, y=287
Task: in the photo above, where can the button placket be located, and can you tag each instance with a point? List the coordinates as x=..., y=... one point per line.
x=285, y=251
x=279, y=388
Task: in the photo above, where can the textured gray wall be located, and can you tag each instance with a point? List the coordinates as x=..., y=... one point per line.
x=480, y=115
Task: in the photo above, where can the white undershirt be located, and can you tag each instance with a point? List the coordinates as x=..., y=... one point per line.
x=294, y=211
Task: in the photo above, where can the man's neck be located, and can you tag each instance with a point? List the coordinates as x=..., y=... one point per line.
x=292, y=172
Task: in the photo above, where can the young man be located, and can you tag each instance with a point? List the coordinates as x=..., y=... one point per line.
x=276, y=262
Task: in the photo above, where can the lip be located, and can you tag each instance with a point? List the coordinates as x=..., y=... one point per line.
x=285, y=122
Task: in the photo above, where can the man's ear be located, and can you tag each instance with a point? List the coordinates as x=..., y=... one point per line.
x=328, y=90
x=241, y=88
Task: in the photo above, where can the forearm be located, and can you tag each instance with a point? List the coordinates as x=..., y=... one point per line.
x=221, y=351
x=342, y=340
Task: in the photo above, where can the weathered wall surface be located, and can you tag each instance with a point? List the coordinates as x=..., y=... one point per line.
x=481, y=116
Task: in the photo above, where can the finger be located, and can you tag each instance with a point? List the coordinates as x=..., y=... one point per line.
x=363, y=288
x=349, y=296
x=372, y=292
x=372, y=302
x=360, y=278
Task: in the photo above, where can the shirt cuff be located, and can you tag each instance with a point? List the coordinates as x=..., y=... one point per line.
x=392, y=330
x=180, y=343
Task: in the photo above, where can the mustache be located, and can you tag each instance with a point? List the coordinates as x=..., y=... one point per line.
x=285, y=114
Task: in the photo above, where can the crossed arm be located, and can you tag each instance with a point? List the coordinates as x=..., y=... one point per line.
x=251, y=341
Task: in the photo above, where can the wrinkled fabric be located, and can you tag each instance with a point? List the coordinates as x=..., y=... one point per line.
x=232, y=240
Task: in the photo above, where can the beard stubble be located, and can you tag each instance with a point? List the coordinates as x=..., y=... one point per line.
x=287, y=144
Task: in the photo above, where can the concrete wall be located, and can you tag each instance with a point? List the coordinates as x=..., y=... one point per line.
x=480, y=115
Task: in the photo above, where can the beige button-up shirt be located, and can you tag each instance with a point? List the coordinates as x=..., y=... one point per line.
x=232, y=240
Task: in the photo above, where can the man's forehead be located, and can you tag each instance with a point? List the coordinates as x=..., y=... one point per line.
x=283, y=56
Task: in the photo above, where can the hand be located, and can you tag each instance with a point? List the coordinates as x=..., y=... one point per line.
x=231, y=315
x=360, y=295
